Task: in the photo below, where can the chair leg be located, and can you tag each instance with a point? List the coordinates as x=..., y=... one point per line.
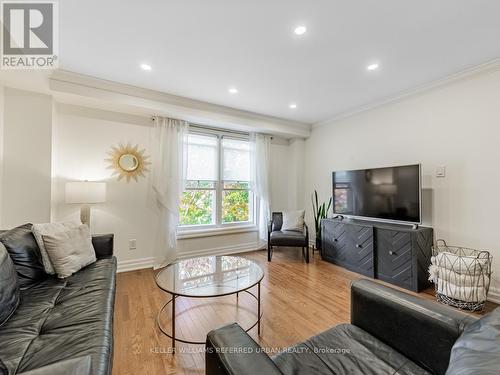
x=307, y=254
x=269, y=252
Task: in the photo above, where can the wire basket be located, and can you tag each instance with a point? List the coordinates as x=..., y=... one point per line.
x=461, y=276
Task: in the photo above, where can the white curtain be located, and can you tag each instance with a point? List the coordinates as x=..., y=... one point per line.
x=168, y=171
x=261, y=149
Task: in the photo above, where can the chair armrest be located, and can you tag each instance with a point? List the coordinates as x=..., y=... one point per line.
x=230, y=350
x=422, y=330
x=103, y=245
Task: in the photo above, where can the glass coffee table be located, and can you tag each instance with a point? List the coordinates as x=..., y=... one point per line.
x=207, y=277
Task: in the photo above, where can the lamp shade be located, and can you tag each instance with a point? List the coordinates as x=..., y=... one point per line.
x=85, y=192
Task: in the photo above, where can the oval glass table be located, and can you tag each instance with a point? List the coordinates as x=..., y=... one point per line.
x=207, y=277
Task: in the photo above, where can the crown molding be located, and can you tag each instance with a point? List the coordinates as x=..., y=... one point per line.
x=72, y=88
x=490, y=66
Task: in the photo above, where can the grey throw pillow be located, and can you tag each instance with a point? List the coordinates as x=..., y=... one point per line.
x=9, y=286
x=70, y=251
x=477, y=351
x=293, y=220
x=50, y=228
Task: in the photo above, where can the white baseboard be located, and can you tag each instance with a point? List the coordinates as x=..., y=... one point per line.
x=494, y=295
x=142, y=263
x=135, y=264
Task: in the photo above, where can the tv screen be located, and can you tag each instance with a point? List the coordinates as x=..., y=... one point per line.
x=391, y=193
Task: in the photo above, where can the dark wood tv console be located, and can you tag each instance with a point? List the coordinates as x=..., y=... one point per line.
x=394, y=253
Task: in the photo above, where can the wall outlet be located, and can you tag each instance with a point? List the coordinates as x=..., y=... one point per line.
x=132, y=244
x=441, y=172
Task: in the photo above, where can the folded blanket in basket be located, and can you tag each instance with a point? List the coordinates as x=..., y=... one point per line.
x=462, y=293
x=462, y=279
x=460, y=264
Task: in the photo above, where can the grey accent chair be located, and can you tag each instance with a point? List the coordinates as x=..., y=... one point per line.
x=277, y=237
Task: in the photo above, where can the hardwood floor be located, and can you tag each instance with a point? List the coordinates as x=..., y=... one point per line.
x=298, y=301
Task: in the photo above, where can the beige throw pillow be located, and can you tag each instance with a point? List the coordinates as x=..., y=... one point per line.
x=50, y=228
x=293, y=220
x=70, y=251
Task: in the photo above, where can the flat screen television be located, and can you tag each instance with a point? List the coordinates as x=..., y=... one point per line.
x=391, y=194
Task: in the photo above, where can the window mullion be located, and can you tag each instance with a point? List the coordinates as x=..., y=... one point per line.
x=219, y=182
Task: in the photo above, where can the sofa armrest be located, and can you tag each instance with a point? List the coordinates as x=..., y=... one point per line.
x=423, y=331
x=230, y=350
x=103, y=245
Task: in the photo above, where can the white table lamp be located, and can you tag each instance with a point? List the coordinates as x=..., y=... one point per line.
x=85, y=193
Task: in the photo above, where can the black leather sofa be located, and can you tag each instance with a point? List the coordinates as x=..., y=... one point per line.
x=391, y=332
x=61, y=326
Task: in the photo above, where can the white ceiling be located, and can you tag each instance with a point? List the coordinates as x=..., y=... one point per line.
x=199, y=48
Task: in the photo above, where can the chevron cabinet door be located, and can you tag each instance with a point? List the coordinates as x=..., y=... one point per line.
x=394, y=257
x=360, y=249
x=334, y=240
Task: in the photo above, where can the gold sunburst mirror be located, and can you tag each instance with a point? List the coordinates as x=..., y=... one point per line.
x=128, y=162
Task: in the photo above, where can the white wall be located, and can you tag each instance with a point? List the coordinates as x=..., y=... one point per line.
x=26, y=157
x=456, y=126
x=81, y=138
x=296, y=165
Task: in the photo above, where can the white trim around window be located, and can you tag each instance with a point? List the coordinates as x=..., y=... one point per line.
x=219, y=227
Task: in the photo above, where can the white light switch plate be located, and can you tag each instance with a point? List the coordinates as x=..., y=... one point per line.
x=441, y=172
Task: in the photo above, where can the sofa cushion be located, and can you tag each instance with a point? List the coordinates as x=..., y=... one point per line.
x=60, y=319
x=9, y=286
x=24, y=252
x=288, y=238
x=73, y=366
x=477, y=350
x=345, y=349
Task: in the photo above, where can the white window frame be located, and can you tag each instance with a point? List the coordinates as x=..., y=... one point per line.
x=202, y=230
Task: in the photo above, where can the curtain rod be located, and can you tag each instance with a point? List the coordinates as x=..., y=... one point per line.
x=206, y=127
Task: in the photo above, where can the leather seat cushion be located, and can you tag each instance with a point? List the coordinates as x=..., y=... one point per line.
x=60, y=319
x=9, y=286
x=288, y=238
x=345, y=349
x=24, y=252
x=477, y=351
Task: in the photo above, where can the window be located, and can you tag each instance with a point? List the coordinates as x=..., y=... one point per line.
x=217, y=189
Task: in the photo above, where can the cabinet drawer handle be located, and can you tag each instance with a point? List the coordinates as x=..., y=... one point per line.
x=358, y=246
x=391, y=252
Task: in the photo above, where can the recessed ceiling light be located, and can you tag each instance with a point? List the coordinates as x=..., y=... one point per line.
x=300, y=30
x=372, y=67
x=146, y=67
x=233, y=90
x=292, y=106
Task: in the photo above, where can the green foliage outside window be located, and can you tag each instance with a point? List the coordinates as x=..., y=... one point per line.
x=196, y=207
x=235, y=206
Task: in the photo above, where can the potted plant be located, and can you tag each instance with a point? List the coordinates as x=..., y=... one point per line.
x=320, y=211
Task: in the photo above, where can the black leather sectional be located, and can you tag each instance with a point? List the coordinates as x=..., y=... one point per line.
x=390, y=333
x=60, y=326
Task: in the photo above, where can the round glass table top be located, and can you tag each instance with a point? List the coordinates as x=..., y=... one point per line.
x=209, y=276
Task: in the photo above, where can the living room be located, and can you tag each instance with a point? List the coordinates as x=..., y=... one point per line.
x=232, y=188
